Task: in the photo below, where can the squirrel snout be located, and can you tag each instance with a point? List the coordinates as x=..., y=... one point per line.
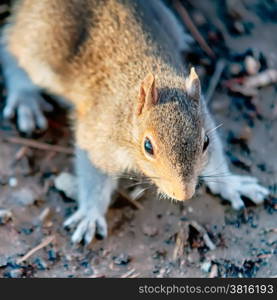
x=182, y=193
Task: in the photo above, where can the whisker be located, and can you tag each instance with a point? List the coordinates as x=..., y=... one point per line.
x=212, y=181
x=215, y=128
x=136, y=184
x=219, y=166
x=163, y=196
x=215, y=175
x=141, y=192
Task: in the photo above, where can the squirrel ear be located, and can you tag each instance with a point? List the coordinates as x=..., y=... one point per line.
x=148, y=94
x=193, y=86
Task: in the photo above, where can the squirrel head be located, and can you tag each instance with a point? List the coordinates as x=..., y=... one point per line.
x=172, y=143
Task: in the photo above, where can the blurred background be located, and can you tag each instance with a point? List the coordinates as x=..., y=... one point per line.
x=234, y=50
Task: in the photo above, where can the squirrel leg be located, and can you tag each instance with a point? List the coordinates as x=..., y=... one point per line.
x=95, y=191
x=23, y=97
x=220, y=180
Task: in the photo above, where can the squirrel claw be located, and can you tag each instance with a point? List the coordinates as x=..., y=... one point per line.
x=237, y=203
x=237, y=186
x=87, y=225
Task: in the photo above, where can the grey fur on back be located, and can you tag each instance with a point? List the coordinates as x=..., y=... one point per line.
x=169, y=23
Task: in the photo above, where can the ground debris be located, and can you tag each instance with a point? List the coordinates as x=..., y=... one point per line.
x=14, y=273
x=25, y=196
x=129, y=274
x=191, y=234
x=149, y=230
x=207, y=240
x=248, y=85
x=252, y=65
x=44, y=215
x=131, y=198
x=40, y=264
x=5, y=216
x=182, y=238
x=206, y=266
x=214, y=271
x=123, y=259
x=247, y=268
x=262, y=79
x=43, y=244
x=270, y=204
x=37, y=145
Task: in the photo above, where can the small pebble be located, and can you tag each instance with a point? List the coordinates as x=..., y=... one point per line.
x=235, y=69
x=15, y=273
x=5, y=216
x=252, y=66
x=25, y=196
x=190, y=209
x=214, y=271
x=199, y=19
x=85, y=264
x=149, y=230
x=13, y=182
x=40, y=263
x=239, y=27
x=245, y=133
x=52, y=256
x=122, y=259
x=206, y=266
x=88, y=272
x=27, y=231
x=160, y=254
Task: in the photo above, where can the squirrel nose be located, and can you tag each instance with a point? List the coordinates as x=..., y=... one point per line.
x=190, y=190
x=183, y=193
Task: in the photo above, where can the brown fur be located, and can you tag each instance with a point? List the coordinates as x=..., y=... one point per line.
x=96, y=53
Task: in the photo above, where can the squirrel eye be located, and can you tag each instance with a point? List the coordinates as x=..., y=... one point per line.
x=148, y=147
x=206, y=143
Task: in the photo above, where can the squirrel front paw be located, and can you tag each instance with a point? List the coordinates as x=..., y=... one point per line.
x=87, y=223
x=29, y=107
x=233, y=187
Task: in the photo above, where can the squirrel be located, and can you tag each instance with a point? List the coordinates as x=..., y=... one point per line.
x=135, y=107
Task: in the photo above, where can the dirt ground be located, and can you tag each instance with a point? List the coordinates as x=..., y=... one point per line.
x=203, y=237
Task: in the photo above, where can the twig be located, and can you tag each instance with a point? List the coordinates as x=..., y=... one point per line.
x=181, y=241
x=128, y=274
x=133, y=202
x=37, y=145
x=206, y=237
x=264, y=255
x=135, y=275
x=192, y=28
x=44, y=214
x=220, y=65
x=21, y=152
x=43, y=244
